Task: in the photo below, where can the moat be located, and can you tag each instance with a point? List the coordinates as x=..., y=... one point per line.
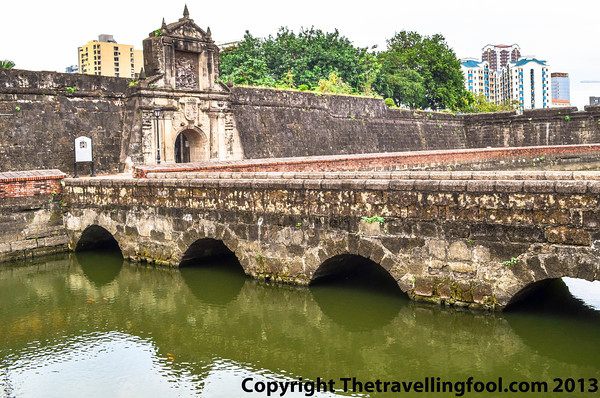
x=90, y=324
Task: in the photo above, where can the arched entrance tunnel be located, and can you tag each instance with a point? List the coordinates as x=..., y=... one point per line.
x=357, y=293
x=190, y=146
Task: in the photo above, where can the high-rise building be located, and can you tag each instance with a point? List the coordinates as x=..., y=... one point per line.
x=479, y=79
x=72, y=69
x=594, y=100
x=528, y=82
x=561, y=89
x=499, y=55
x=108, y=58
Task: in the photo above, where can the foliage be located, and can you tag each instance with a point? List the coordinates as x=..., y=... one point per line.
x=334, y=84
x=309, y=57
x=567, y=118
x=71, y=90
x=373, y=219
x=17, y=108
x=389, y=103
x=481, y=104
x=421, y=72
x=7, y=64
x=510, y=262
x=158, y=32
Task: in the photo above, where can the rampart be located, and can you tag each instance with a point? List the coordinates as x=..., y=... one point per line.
x=41, y=113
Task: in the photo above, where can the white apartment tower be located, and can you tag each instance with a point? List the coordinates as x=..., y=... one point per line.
x=528, y=82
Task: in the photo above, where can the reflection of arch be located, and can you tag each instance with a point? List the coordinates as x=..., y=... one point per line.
x=216, y=282
x=191, y=145
x=100, y=267
x=212, y=272
x=554, y=323
x=95, y=237
x=356, y=292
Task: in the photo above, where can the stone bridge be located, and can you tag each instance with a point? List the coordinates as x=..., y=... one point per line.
x=479, y=239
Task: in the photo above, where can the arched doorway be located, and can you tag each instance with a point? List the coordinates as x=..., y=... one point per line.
x=190, y=146
x=182, y=149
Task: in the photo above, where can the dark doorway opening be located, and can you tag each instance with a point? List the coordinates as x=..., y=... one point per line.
x=182, y=149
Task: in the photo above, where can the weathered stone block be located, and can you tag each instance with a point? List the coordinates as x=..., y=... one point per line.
x=424, y=287
x=437, y=248
x=568, y=236
x=459, y=251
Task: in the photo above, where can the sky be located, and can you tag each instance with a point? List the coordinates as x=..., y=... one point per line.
x=45, y=35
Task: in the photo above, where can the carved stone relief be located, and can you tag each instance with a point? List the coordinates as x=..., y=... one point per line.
x=186, y=70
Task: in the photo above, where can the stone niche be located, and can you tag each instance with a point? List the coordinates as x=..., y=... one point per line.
x=181, y=55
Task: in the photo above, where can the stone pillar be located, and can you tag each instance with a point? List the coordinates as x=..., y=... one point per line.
x=214, y=136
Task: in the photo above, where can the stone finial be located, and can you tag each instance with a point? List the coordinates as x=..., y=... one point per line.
x=208, y=32
x=230, y=82
x=142, y=74
x=164, y=25
x=186, y=13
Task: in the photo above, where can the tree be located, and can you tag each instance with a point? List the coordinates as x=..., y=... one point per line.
x=245, y=63
x=309, y=57
x=6, y=64
x=421, y=71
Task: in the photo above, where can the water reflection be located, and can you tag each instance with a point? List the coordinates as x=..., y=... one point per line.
x=214, y=282
x=566, y=322
x=184, y=329
x=100, y=267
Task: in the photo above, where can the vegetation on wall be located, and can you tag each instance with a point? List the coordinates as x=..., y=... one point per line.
x=6, y=64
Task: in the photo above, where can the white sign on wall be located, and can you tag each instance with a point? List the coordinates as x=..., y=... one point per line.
x=83, y=149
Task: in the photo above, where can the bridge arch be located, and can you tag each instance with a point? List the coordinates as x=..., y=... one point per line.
x=354, y=269
x=190, y=145
x=207, y=249
x=537, y=270
x=95, y=237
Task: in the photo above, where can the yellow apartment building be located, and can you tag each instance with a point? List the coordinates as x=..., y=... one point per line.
x=108, y=58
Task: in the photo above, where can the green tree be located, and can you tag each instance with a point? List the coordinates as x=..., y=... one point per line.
x=6, y=64
x=309, y=57
x=421, y=71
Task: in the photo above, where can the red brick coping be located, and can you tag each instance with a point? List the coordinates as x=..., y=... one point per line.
x=369, y=161
x=14, y=184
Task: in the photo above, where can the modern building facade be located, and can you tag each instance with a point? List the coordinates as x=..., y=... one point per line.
x=561, y=87
x=106, y=57
x=499, y=55
x=594, y=100
x=72, y=69
x=526, y=81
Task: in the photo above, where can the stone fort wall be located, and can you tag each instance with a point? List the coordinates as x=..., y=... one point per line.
x=41, y=113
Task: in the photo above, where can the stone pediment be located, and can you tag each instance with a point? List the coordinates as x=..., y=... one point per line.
x=187, y=29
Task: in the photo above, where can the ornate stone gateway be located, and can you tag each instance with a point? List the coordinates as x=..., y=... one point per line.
x=195, y=121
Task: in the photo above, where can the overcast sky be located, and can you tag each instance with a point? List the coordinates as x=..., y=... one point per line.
x=44, y=35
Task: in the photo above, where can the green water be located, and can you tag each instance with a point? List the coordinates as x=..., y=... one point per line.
x=92, y=325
